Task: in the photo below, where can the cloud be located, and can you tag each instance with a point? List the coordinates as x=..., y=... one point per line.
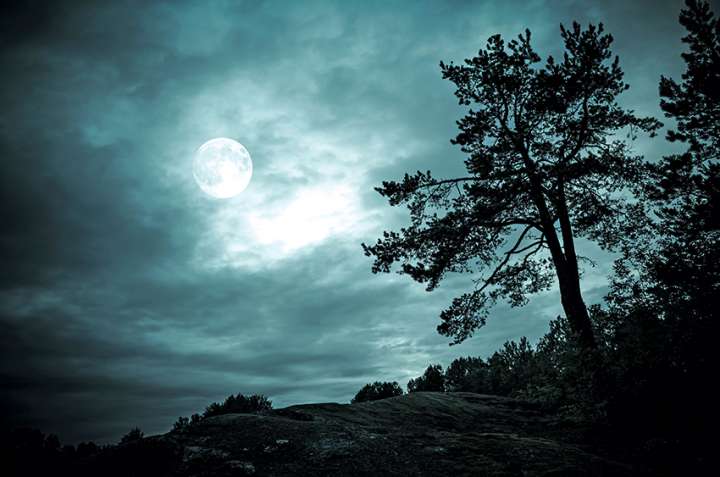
x=129, y=298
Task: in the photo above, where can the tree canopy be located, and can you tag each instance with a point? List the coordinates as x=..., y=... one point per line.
x=433, y=379
x=689, y=185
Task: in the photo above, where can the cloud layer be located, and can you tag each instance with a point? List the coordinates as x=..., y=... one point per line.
x=128, y=297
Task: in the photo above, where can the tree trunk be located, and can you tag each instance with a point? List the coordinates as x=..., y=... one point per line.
x=566, y=269
x=574, y=306
x=565, y=261
x=570, y=293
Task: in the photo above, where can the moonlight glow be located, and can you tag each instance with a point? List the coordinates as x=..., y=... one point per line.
x=222, y=168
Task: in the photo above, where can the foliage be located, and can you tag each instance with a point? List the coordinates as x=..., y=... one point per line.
x=143, y=457
x=645, y=381
x=30, y=452
x=85, y=449
x=257, y=403
x=135, y=434
x=467, y=374
x=181, y=424
x=378, y=390
x=510, y=367
x=521, y=371
x=693, y=102
x=680, y=271
x=662, y=298
x=432, y=379
x=545, y=152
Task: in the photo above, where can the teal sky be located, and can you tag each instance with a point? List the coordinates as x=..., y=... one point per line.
x=128, y=297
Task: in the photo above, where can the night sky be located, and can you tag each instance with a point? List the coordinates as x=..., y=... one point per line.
x=128, y=297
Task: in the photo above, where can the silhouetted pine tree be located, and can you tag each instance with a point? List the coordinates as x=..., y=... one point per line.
x=545, y=165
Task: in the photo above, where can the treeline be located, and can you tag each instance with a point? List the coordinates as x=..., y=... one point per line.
x=31, y=452
x=646, y=390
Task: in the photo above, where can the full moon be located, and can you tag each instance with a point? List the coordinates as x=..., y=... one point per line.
x=222, y=168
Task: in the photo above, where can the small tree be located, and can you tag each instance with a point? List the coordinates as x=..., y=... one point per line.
x=378, y=390
x=432, y=380
x=546, y=164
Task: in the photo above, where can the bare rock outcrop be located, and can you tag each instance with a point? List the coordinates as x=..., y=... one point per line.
x=422, y=434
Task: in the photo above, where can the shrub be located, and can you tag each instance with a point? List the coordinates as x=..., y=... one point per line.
x=239, y=403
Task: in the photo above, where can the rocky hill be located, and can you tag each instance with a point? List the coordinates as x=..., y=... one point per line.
x=417, y=434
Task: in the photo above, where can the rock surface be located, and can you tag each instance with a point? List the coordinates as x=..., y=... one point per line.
x=419, y=434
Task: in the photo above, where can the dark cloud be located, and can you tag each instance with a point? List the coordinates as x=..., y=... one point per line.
x=127, y=298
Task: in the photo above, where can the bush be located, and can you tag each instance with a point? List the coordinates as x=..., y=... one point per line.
x=378, y=390
x=256, y=403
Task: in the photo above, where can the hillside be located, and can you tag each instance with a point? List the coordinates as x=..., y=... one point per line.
x=415, y=434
